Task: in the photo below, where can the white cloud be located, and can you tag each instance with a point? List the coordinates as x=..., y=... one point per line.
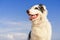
x=56, y=36
x=9, y=22
x=13, y=25
x=13, y=36
x=11, y=30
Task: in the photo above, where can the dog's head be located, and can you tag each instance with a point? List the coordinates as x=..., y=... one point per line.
x=37, y=11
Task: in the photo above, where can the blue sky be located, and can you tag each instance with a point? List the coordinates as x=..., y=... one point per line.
x=14, y=22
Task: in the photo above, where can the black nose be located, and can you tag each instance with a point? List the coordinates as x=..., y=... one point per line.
x=27, y=11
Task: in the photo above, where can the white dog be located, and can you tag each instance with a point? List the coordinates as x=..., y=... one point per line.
x=41, y=27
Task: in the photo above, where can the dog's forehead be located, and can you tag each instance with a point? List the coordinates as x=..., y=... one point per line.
x=35, y=6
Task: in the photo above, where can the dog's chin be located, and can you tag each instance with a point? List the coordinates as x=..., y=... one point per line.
x=32, y=19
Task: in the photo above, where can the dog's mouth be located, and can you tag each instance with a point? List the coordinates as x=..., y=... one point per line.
x=34, y=16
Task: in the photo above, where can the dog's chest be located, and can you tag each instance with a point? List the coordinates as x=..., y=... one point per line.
x=39, y=31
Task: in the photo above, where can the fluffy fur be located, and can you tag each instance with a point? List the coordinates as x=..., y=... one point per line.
x=41, y=27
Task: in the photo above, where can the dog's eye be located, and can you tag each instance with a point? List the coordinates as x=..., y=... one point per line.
x=36, y=8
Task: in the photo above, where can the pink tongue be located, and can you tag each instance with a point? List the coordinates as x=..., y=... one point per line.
x=33, y=17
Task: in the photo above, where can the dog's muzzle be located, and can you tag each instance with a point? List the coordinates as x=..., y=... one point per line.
x=31, y=16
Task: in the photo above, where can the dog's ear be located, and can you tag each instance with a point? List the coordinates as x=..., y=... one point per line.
x=41, y=8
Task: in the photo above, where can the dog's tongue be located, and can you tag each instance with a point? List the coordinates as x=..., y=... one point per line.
x=33, y=17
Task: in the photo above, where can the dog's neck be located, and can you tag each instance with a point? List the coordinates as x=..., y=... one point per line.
x=39, y=21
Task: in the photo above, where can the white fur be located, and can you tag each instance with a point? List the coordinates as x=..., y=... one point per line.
x=41, y=27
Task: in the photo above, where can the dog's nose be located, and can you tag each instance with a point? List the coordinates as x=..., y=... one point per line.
x=27, y=11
